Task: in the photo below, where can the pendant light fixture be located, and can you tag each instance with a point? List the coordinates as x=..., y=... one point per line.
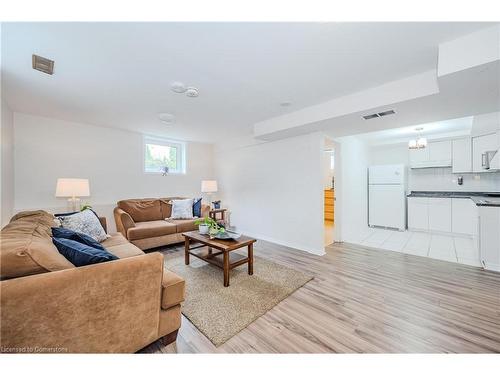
x=419, y=143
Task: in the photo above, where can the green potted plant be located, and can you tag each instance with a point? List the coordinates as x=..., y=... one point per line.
x=204, y=224
x=207, y=225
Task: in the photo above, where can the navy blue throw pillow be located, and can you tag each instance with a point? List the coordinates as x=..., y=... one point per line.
x=80, y=254
x=66, y=214
x=60, y=232
x=197, y=207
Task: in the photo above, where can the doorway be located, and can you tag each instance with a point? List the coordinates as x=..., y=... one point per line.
x=328, y=169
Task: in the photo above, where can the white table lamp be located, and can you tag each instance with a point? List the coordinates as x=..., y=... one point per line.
x=73, y=189
x=209, y=187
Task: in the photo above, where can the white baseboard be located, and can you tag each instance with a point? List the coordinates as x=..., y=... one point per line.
x=287, y=244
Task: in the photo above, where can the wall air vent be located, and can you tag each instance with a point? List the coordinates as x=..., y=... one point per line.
x=380, y=114
x=43, y=65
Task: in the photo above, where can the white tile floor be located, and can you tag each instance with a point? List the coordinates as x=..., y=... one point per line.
x=449, y=248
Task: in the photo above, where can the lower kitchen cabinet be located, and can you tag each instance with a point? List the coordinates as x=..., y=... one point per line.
x=489, y=237
x=449, y=215
x=418, y=213
x=464, y=216
x=440, y=214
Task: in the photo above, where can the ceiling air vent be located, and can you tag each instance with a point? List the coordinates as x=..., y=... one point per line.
x=386, y=113
x=380, y=114
x=43, y=65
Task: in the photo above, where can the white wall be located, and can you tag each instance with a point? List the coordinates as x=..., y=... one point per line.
x=351, y=189
x=7, y=164
x=111, y=159
x=274, y=190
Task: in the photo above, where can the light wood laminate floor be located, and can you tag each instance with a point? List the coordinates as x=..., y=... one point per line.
x=366, y=301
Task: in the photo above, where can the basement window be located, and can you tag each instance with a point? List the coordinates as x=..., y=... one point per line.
x=160, y=153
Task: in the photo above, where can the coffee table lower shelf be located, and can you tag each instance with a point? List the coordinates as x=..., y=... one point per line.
x=213, y=257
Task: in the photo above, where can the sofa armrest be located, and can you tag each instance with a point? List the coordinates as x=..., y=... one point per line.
x=172, y=290
x=123, y=221
x=104, y=223
x=106, y=307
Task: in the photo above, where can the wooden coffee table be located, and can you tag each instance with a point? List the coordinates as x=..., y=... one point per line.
x=210, y=250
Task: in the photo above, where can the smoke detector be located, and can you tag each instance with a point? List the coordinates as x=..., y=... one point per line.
x=192, y=92
x=166, y=118
x=43, y=64
x=178, y=87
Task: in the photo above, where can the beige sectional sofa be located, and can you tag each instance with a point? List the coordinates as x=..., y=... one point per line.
x=142, y=222
x=49, y=305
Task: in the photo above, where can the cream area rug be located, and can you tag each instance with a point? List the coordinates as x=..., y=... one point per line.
x=219, y=312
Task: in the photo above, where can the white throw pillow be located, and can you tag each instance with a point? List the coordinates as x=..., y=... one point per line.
x=182, y=209
x=85, y=222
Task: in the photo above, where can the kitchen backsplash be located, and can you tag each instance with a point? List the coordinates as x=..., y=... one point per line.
x=441, y=179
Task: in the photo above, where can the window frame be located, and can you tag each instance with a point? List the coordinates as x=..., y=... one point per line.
x=181, y=153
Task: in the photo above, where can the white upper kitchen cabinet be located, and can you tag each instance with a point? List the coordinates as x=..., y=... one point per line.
x=418, y=213
x=419, y=157
x=463, y=216
x=461, y=155
x=440, y=153
x=480, y=145
x=436, y=154
x=440, y=214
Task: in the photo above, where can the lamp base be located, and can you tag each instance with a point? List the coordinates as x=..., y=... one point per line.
x=74, y=204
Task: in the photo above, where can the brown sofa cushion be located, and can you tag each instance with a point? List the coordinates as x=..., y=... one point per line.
x=26, y=246
x=184, y=225
x=114, y=240
x=142, y=209
x=119, y=246
x=172, y=289
x=149, y=229
x=125, y=251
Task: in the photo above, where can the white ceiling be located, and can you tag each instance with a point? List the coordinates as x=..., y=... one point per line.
x=119, y=74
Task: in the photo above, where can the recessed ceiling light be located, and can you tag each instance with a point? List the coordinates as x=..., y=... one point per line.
x=285, y=104
x=178, y=87
x=192, y=92
x=166, y=118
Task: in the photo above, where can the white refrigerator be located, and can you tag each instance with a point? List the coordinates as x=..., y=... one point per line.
x=387, y=196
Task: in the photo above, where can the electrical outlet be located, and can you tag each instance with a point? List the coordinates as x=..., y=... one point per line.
x=477, y=177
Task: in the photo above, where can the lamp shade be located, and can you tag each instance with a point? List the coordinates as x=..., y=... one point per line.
x=72, y=187
x=208, y=186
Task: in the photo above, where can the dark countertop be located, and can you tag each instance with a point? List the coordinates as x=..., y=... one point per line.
x=491, y=199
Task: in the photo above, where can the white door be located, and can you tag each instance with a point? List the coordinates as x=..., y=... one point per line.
x=386, y=174
x=440, y=214
x=462, y=155
x=480, y=145
x=387, y=206
x=463, y=216
x=418, y=213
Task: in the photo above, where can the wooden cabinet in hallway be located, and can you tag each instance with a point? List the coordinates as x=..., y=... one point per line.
x=329, y=204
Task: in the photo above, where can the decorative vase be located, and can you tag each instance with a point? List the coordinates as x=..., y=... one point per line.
x=203, y=228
